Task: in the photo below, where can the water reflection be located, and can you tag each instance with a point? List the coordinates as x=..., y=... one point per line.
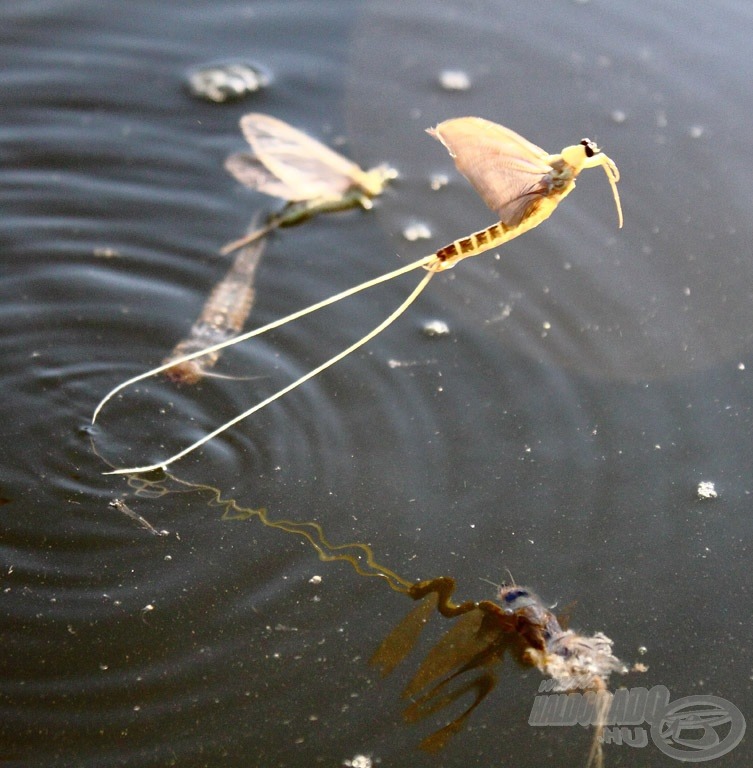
x=464, y=659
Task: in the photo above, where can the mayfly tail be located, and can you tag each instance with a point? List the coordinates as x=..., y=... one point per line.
x=310, y=375
x=423, y=262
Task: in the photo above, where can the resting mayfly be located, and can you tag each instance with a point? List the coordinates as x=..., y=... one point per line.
x=516, y=179
x=285, y=162
x=221, y=318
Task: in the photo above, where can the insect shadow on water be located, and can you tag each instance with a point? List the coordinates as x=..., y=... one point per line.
x=466, y=657
x=518, y=180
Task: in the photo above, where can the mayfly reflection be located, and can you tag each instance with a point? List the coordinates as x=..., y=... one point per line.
x=284, y=162
x=222, y=317
x=519, y=181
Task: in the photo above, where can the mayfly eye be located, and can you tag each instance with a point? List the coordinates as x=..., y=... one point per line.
x=590, y=147
x=514, y=594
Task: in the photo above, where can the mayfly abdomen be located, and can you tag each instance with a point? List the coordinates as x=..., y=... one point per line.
x=476, y=243
x=223, y=316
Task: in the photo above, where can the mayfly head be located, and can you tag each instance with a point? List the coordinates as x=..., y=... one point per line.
x=514, y=598
x=588, y=155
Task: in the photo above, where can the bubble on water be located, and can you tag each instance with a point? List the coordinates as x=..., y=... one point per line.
x=454, y=80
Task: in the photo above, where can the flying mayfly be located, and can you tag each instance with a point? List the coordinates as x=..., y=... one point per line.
x=284, y=162
x=521, y=182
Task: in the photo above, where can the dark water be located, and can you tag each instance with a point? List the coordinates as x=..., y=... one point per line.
x=591, y=378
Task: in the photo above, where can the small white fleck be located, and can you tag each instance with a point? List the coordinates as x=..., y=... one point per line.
x=106, y=253
x=454, y=80
x=433, y=328
x=439, y=180
x=359, y=761
x=618, y=116
x=741, y=366
x=315, y=580
x=706, y=490
x=696, y=131
x=417, y=230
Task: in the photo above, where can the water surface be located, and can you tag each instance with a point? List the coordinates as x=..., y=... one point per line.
x=590, y=380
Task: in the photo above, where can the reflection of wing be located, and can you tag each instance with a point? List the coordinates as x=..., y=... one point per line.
x=508, y=172
x=305, y=167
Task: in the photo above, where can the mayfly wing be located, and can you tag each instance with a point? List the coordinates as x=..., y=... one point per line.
x=301, y=163
x=509, y=173
x=251, y=173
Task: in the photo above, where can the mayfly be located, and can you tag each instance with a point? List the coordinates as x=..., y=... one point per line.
x=519, y=181
x=286, y=163
x=221, y=318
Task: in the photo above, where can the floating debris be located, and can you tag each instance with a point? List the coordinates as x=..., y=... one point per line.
x=416, y=231
x=230, y=81
x=360, y=761
x=706, y=490
x=106, y=253
x=438, y=180
x=121, y=506
x=696, y=131
x=222, y=317
x=618, y=116
x=454, y=80
x=434, y=328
